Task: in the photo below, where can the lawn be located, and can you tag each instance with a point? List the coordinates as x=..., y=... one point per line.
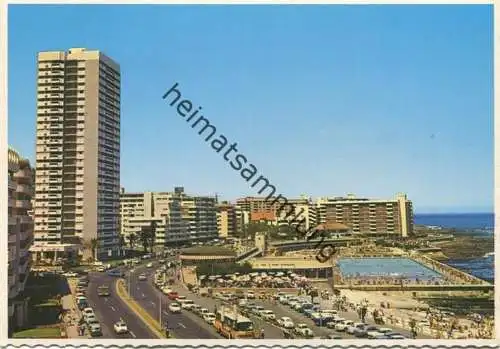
x=46, y=332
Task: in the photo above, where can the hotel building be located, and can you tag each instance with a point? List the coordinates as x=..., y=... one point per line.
x=226, y=220
x=368, y=216
x=77, y=195
x=20, y=236
x=179, y=218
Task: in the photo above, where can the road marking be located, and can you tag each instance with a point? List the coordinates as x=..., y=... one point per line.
x=153, y=303
x=132, y=334
x=182, y=325
x=112, y=308
x=143, y=295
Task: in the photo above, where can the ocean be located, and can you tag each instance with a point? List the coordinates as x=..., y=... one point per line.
x=476, y=224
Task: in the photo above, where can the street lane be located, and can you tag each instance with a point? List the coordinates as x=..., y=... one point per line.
x=183, y=325
x=111, y=309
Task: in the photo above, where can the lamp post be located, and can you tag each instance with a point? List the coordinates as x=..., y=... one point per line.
x=159, y=298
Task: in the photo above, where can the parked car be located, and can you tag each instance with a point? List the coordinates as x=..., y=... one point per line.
x=120, y=327
x=209, y=318
x=95, y=329
x=268, y=315
x=286, y=322
x=174, y=308
x=172, y=295
x=341, y=326
x=149, y=265
x=142, y=277
x=303, y=330
x=187, y=304
x=356, y=325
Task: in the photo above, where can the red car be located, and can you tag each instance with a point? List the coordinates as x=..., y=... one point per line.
x=172, y=295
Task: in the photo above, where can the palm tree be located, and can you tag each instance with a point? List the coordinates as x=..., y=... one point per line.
x=131, y=239
x=93, y=245
x=143, y=235
x=152, y=235
x=121, y=243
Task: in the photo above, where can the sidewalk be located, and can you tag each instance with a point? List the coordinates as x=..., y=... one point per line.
x=73, y=314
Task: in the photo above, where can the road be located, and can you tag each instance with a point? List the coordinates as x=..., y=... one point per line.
x=185, y=325
x=111, y=309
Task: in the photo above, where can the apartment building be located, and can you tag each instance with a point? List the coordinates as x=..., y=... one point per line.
x=263, y=209
x=20, y=235
x=226, y=220
x=368, y=216
x=179, y=217
x=77, y=195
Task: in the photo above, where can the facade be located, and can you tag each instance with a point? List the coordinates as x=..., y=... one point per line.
x=77, y=153
x=368, y=216
x=262, y=209
x=179, y=218
x=20, y=235
x=226, y=220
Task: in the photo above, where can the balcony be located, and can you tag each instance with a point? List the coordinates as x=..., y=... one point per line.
x=25, y=189
x=12, y=220
x=12, y=238
x=23, y=204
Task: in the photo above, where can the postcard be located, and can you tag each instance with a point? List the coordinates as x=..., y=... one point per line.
x=241, y=175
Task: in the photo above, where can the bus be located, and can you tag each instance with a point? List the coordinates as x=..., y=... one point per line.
x=232, y=325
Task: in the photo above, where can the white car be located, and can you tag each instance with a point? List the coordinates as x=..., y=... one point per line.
x=174, y=308
x=343, y=325
x=166, y=290
x=374, y=334
x=90, y=318
x=268, y=315
x=88, y=311
x=142, y=277
x=286, y=322
x=303, y=330
x=120, y=327
x=149, y=265
x=385, y=330
x=187, y=304
x=70, y=274
x=209, y=318
x=181, y=299
x=203, y=311
x=250, y=295
x=354, y=326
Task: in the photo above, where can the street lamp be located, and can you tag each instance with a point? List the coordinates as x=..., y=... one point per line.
x=159, y=298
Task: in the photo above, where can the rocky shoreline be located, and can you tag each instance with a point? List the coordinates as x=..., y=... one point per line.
x=464, y=247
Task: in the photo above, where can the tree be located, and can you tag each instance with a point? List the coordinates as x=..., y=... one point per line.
x=143, y=235
x=121, y=242
x=313, y=294
x=131, y=239
x=152, y=235
x=93, y=245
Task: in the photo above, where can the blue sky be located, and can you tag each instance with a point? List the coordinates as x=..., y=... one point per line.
x=323, y=100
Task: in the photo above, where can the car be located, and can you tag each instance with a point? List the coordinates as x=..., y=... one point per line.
x=91, y=318
x=70, y=274
x=268, y=315
x=334, y=321
x=181, y=299
x=396, y=337
x=375, y=335
x=203, y=311
x=385, y=330
x=187, y=304
x=95, y=329
x=257, y=309
x=286, y=322
x=120, y=327
x=242, y=302
x=149, y=265
x=101, y=268
x=195, y=308
x=209, y=318
x=250, y=295
x=362, y=332
x=354, y=326
x=142, y=277
x=341, y=326
x=172, y=295
x=283, y=300
x=87, y=311
x=174, y=308
x=302, y=330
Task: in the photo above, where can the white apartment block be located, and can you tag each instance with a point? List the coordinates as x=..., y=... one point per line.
x=179, y=218
x=20, y=235
x=77, y=153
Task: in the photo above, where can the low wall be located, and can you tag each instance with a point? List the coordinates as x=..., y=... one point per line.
x=255, y=290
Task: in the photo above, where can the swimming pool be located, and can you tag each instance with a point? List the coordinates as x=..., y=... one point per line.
x=386, y=267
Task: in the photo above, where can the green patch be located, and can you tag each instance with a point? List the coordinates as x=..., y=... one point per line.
x=47, y=332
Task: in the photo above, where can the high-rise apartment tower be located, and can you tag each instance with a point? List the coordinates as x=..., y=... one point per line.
x=77, y=195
